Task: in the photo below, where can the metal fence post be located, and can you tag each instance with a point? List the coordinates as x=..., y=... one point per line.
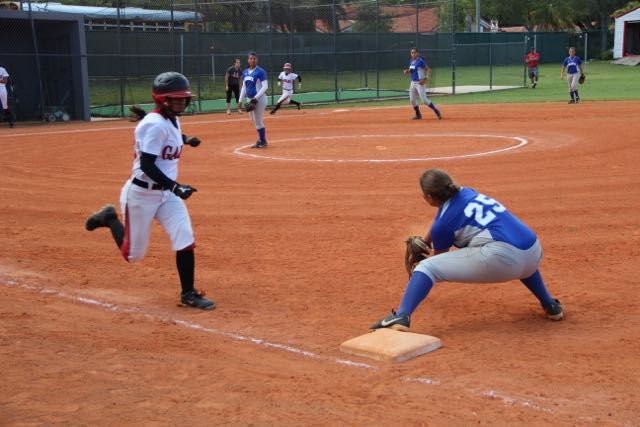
x=121, y=59
x=38, y=66
x=335, y=53
x=173, y=38
x=524, y=54
x=270, y=49
x=490, y=61
x=197, y=49
x=291, y=24
x=377, y=49
x=586, y=51
x=453, y=47
x=418, y=25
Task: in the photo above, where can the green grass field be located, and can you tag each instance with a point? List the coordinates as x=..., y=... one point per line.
x=605, y=81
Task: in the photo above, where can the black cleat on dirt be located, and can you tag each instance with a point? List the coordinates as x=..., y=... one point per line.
x=101, y=218
x=260, y=144
x=196, y=299
x=393, y=321
x=554, y=310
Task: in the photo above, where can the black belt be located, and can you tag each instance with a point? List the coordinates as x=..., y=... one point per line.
x=147, y=185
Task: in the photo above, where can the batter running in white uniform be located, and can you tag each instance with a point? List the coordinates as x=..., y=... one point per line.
x=494, y=246
x=573, y=65
x=420, y=75
x=254, y=87
x=4, y=79
x=152, y=191
x=287, y=79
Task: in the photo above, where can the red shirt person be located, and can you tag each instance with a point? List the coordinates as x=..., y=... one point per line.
x=531, y=59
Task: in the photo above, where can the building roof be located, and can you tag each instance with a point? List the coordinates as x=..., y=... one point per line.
x=403, y=19
x=621, y=14
x=111, y=13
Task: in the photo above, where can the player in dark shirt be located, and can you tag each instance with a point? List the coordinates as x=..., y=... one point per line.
x=232, y=84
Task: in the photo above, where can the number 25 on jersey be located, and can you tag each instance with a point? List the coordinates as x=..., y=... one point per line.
x=483, y=209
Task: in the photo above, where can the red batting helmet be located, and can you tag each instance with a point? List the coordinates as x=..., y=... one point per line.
x=170, y=85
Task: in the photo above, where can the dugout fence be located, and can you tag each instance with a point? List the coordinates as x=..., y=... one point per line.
x=344, y=50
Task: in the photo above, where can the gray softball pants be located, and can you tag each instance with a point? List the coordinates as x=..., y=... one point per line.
x=488, y=263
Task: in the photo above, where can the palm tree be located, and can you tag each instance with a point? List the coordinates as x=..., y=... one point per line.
x=551, y=15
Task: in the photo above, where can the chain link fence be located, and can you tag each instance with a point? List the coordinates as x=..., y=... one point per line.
x=344, y=50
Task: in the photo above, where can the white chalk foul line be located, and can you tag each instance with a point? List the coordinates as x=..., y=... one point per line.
x=490, y=394
x=513, y=401
x=521, y=142
x=185, y=323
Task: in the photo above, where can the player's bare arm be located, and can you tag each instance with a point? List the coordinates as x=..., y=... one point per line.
x=4, y=80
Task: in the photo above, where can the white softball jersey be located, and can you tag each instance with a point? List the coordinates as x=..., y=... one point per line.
x=158, y=136
x=288, y=80
x=3, y=89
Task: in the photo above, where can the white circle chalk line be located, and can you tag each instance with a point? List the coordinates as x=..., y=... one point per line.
x=521, y=143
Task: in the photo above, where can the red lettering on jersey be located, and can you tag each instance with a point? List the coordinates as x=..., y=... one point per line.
x=171, y=153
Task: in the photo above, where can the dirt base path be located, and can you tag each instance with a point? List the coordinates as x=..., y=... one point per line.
x=302, y=252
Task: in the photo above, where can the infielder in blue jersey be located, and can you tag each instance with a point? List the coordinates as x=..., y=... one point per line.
x=254, y=88
x=494, y=246
x=420, y=75
x=573, y=65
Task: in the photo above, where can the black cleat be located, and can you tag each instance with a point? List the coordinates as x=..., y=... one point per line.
x=439, y=115
x=196, y=299
x=299, y=106
x=272, y=112
x=417, y=117
x=393, y=321
x=554, y=310
x=533, y=86
x=571, y=102
x=101, y=218
x=260, y=144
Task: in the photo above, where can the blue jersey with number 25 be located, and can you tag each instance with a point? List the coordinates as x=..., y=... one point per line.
x=472, y=219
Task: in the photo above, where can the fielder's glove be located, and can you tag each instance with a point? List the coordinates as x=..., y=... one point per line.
x=417, y=250
x=183, y=191
x=193, y=141
x=582, y=78
x=251, y=105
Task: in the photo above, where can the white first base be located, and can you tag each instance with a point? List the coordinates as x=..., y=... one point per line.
x=387, y=344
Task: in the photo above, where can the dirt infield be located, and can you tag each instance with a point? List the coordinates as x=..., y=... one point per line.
x=302, y=252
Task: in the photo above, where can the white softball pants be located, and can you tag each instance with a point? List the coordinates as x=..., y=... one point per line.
x=285, y=98
x=572, y=80
x=416, y=90
x=489, y=263
x=140, y=206
x=257, y=115
x=3, y=97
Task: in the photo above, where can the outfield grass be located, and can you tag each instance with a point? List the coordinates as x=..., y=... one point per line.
x=605, y=81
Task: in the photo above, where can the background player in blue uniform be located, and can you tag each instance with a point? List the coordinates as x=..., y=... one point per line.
x=254, y=87
x=495, y=246
x=420, y=75
x=573, y=65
